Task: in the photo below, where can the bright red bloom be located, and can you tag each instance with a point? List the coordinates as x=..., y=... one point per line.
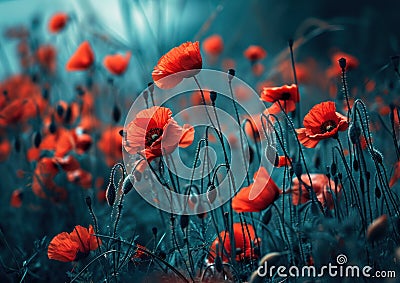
x=275, y=108
x=57, y=22
x=154, y=133
x=334, y=70
x=117, y=64
x=255, y=53
x=245, y=240
x=259, y=195
x=110, y=144
x=43, y=184
x=67, y=247
x=82, y=59
x=80, y=177
x=16, y=198
x=213, y=45
x=5, y=149
x=321, y=122
x=46, y=57
x=285, y=93
x=185, y=57
x=322, y=186
x=396, y=174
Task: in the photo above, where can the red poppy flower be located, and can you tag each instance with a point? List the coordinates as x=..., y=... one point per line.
x=43, y=184
x=255, y=53
x=185, y=57
x=46, y=57
x=117, y=64
x=322, y=186
x=154, y=132
x=275, y=108
x=245, y=241
x=80, y=177
x=396, y=174
x=110, y=144
x=68, y=247
x=5, y=149
x=16, y=198
x=213, y=45
x=321, y=122
x=335, y=70
x=259, y=195
x=285, y=93
x=57, y=22
x=82, y=59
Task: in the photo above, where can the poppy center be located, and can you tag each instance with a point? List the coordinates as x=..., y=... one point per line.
x=152, y=135
x=285, y=96
x=328, y=126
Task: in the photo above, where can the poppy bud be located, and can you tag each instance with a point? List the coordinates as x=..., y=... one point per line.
x=231, y=74
x=121, y=133
x=266, y=217
x=378, y=192
x=88, y=201
x=272, y=155
x=377, y=229
x=333, y=168
x=342, y=63
x=377, y=156
x=128, y=184
x=116, y=114
x=52, y=127
x=340, y=176
x=110, y=194
x=17, y=144
x=354, y=133
x=68, y=114
x=184, y=221
x=45, y=93
x=213, y=96
x=154, y=230
x=211, y=193
x=37, y=139
x=60, y=110
x=218, y=263
x=355, y=165
x=298, y=169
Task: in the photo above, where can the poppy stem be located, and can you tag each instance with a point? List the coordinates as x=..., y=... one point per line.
x=295, y=81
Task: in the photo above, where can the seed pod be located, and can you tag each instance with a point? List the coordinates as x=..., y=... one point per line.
x=231, y=74
x=60, y=110
x=342, y=63
x=354, y=133
x=213, y=96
